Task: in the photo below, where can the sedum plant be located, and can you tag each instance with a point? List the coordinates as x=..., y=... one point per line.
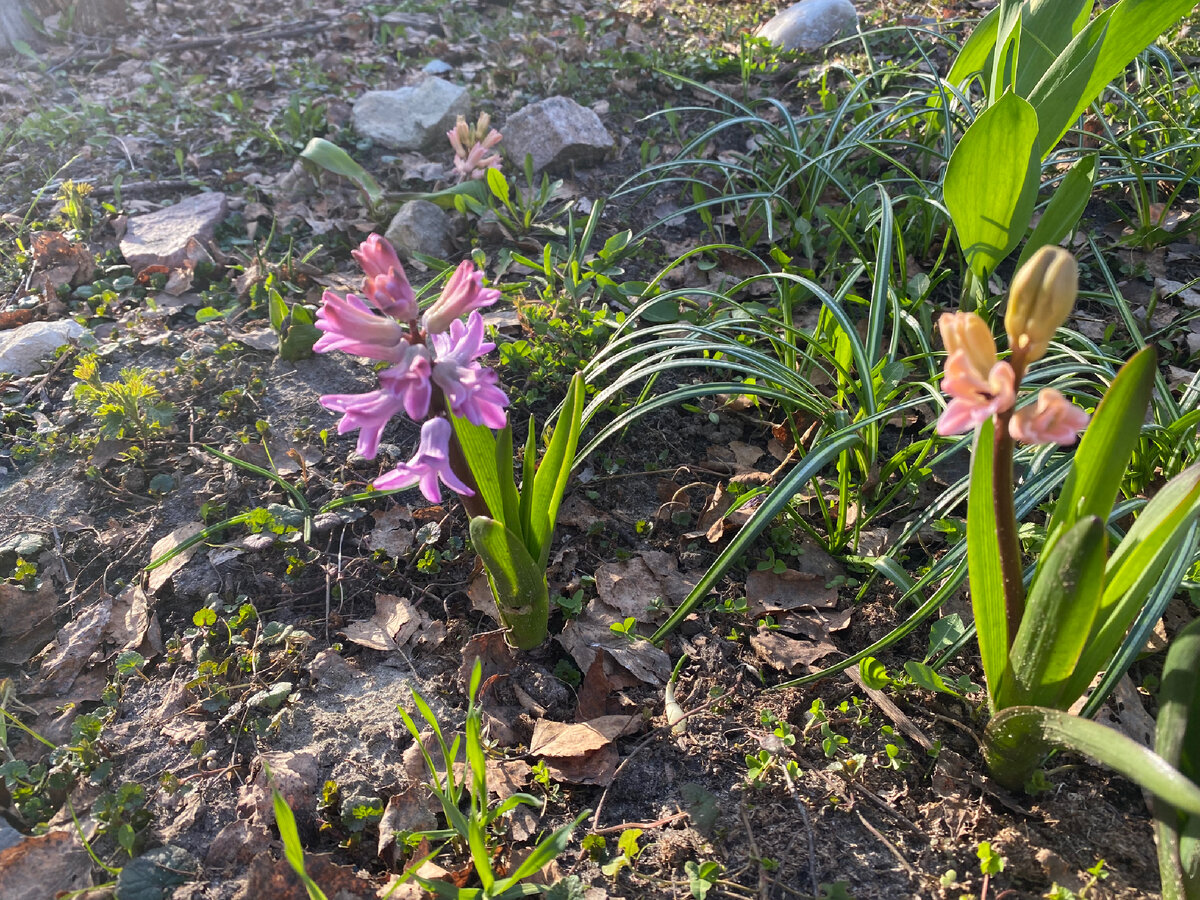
x=433, y=375
x=1043, y=647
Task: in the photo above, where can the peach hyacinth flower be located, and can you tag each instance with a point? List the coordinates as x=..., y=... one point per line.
x=1051, y=420
x=979, y=387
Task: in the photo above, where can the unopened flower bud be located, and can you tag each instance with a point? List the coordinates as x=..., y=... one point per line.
x=966, y=331
x=1042, y=296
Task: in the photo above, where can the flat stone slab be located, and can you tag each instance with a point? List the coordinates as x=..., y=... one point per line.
x=166, y=236
x=411, y=118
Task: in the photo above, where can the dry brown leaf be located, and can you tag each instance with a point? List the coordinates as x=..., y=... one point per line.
x=814, y=625
x=133, y=625
x=770, y=592
x=395, y=623
x=567, y=739
x=28, y=621
x=585, y=636
x=43, y=866
x=164, y=545
x=630, y=586
x=786, y=653
x=409, y=811
x=393, y=532
x=73, y=646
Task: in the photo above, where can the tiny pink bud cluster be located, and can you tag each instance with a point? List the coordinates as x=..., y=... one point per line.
x=473, y=146
x=439, y=351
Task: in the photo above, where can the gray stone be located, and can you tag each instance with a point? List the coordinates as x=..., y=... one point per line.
x=557, y=132
x=13, y=26
x=172, y=235
x=411, y=118
x=23, y=349
x=421, y=227
x=809, y=24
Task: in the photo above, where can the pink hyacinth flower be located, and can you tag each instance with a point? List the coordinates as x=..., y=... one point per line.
x=350, y=325
x=463, y=293
x=402, y=388
x=385, y=283
x=473, y=391
x=431, y=462
x=974, y=399
x=1051, y=420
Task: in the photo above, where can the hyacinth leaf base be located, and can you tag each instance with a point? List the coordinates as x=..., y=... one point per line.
x=518, y=583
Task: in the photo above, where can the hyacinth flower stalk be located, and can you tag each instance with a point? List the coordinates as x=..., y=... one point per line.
x=474, y=147
x=1042, y=650
x=433, y=375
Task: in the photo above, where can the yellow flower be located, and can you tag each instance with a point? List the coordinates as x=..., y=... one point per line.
x=1042, y=296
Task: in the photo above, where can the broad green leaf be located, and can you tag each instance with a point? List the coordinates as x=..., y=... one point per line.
x=1177, y=740
x=1059, y=612
x=1105, y=448
x=983, y=562
x=1132, y=573
x=926, y=677
x=1098, y=54
x=1004, y=55
x=975, y=55
x=991, y=182
x=277, y=310
x=498, y=185
x=1022, y=733
x=478, y=445
x=1062, y=213
x=1167, y=514
x=554, y=470
x=1047, y=27
x=528, y=471
x=330, y=156
x=509, y=498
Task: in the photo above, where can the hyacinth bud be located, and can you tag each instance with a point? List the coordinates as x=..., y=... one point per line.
x=967, y=332
x=1042, y=296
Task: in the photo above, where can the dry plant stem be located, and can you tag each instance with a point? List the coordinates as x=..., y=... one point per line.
x=1011, y=570
x=764, y=883
x=812, y=844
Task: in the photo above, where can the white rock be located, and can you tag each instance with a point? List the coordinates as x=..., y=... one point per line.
x=23, y=349
x=809, y=24
x=420, y=226
x=168, y=236
x=557, y=132
x=411, y=118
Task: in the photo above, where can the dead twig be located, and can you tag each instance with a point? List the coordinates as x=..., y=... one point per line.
x=812, y=843
x=645, y=826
